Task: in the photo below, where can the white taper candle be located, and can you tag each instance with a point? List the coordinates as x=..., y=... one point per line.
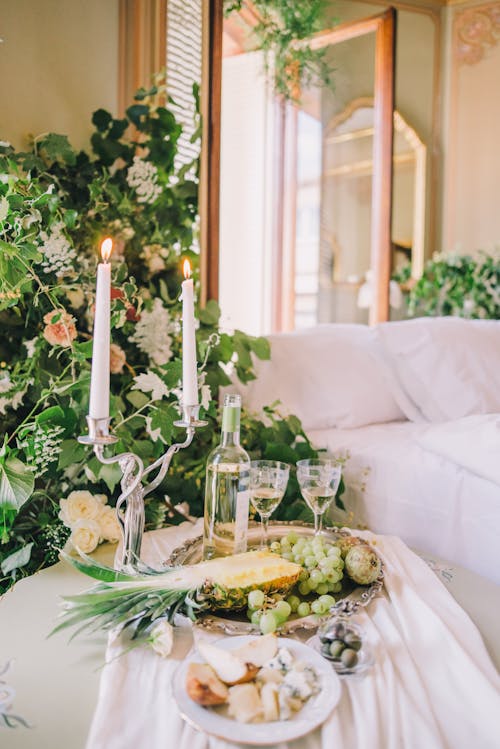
x=99, y=382
x=189, y=368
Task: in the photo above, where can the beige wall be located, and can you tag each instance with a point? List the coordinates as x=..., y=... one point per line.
x=471, y=215
x=58, y=63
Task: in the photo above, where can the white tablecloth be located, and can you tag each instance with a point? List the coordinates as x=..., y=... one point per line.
x=433, y=685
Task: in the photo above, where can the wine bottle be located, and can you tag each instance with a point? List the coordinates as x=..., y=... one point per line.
x=226, y=489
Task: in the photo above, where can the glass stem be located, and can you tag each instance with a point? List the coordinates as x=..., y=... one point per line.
x=318, y=523
x=265, y=533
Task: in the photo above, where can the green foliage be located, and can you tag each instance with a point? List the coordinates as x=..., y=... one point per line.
x=56, y=205
x=283, y=26
x=460, y=285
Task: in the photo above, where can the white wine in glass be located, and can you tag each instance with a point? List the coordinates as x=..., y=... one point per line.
x=319, y=481
x=268, y=480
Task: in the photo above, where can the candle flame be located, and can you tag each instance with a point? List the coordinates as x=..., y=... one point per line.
x=186, y=269
x=106, y=249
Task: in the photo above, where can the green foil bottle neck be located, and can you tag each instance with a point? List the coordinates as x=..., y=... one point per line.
x=231, y=419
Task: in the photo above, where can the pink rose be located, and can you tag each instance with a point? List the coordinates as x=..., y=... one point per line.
x=117, y=359
x=60, y=332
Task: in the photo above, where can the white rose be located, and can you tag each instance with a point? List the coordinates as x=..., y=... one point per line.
x=79, y=505
x=85, y=535
x=162, y=638
x=110, y=527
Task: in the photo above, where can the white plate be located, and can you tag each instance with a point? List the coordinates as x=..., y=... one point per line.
x=315, y=711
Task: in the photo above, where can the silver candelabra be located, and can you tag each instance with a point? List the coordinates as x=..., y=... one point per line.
x=130, y=503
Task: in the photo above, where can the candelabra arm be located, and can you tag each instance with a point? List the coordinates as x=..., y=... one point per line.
x=164, y=462
x=132, y=517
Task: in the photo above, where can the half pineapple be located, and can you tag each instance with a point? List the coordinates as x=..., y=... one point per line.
x=138, y=600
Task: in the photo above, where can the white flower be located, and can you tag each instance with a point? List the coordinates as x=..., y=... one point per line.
x=151, y=333
x=57, y=253
x=206, y=396
x=155, y=256
x=4, y=143
x=155, y=434
x=85, y=535
x=80, y=505
x=5, y=382
x=4, y=208
x=149, y=382
x=142, y=176
x=109, y=525
x=162, y=638
x=43, y=446
x=30, y=346
x=33, y=217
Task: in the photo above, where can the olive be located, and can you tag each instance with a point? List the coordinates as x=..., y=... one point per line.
x=336, y=648
x=326, y=637
x=352, y=641
x=349, y=658
x=338, y=631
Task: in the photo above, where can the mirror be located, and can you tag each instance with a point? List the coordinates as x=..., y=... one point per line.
x=250, y=237
x=348, y=156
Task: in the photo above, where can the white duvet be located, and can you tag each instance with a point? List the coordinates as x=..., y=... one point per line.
x=437, y=486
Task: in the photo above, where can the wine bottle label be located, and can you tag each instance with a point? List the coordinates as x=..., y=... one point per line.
x=241, y=522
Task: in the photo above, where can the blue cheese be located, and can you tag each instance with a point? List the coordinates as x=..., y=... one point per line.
x=282, y=661
x=297, y=683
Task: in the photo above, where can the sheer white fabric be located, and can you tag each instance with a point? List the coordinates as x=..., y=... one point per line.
x=433, y=684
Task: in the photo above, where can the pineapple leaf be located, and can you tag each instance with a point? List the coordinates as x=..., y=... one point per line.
x=98, y=571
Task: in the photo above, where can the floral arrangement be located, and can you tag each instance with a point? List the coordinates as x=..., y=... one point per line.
x=460, y=285
x=55, y=206
x=280, y=32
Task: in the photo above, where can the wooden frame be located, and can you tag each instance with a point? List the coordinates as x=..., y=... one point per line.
x=383, y=26
x=209, y=199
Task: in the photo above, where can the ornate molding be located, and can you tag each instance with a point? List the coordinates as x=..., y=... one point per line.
x=476, y=31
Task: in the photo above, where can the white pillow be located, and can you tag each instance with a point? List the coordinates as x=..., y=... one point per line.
x=449, y=367
x=328, y=376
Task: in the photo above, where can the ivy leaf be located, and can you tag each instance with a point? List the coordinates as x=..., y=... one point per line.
x=172, y=373
x=17, y=559
x=210, y=314
x=111, y=475
x=57, y=148
x=70, y=452
x=278, y=451
x=136, y=112
x=163, y=419
x=260, y=347
x=16, y=483
x=54, y=413
x=70, y=217
x=101, y=119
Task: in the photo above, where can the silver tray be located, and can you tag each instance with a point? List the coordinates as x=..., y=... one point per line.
x=236, y=623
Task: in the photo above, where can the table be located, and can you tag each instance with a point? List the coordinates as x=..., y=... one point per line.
x=57, y=682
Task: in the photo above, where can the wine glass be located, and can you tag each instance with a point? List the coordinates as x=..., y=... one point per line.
x=267, y=485
x=319, y=480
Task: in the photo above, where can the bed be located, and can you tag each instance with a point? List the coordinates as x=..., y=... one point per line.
x=397, y=486
x=416, y=405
